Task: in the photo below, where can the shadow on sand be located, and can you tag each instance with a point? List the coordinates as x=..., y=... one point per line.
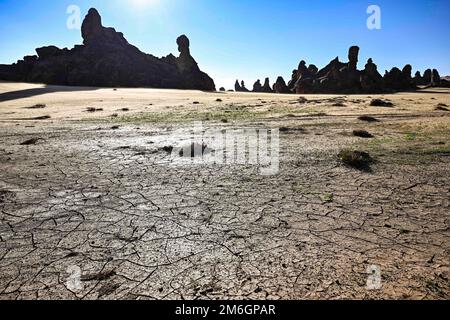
x=27, y=93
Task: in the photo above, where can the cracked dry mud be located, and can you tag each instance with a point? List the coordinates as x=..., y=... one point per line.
x=110, y=202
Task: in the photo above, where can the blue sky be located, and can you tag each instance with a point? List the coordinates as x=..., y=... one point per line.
x=246, y=39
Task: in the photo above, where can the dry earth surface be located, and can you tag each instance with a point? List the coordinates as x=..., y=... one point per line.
x=96, y=190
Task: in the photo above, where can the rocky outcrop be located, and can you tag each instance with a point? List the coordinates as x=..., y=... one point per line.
x=445, y=82
x=435, y=78
x=107, y=59
x=313, y=69
x=257, y=86
x=237, y=86
x=340, y=77
x=429, y=78
x=280, y=86
x=399, y=80
x=266, y=87
x=240, y=87
x=418, y=79
x=371, y=79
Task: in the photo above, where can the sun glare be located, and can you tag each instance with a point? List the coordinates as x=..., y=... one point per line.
x=144, y=3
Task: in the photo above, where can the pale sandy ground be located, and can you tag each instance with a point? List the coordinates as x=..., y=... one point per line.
x=98, y=192
x=71, y=103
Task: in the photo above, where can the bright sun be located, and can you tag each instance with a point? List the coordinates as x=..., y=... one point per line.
x=144, y=3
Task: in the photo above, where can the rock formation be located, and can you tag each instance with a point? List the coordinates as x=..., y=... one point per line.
x=107, y=59
x=243, y=88
x=371, y=79
x=257, y=87
x=291, y=83
x=266, y=87
x=399, y=80
x=435, y=78
x=280, y=86
x=313, y=69
x=427, y=77
x=430, y=78
x=418, y=79
x=237, y=86
x=344, y=77
x=240, y=87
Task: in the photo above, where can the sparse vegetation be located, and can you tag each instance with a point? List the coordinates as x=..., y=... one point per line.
x=30, y=142
x=410, y=136
x=356, y=159
x=362, y=134
x=301, y=100
x=441, y=107
x=41, y=118
x=368, y=119
x=381, y=103
x=329, y=197
x=92, y=109
x=37, y=106
x=167, y=149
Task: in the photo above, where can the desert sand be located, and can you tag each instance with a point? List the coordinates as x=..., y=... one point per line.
x=86, y=181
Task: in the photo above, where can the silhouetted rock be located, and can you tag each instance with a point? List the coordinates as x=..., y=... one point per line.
x=222, y=89
x=257, y=86
x=430, y=78
x=435, y=78
x=371, y=79
x=240, y=87
x=293, y=81
x=49, y=52
x=107, y=59
x=427, y=77
x=399, y=80
x=237, y=86
x=94, y=33
x=313, y=69
x=353, y=53
x=266, y=87
x=243, y=88
x=339, y=77
x=280, y=86
x=445, y=82
x=418, y=79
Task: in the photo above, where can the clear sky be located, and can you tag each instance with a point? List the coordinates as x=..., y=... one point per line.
x=246, y=39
